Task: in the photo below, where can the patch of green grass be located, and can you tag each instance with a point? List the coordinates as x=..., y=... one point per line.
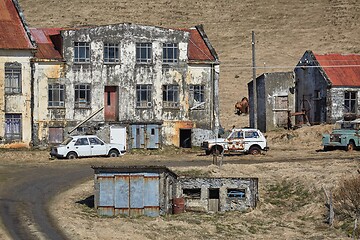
x=194, y=173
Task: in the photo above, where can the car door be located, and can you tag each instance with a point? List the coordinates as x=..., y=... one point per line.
x=98, y=147
x=82, y=147
x=236, y=141
x=251, y=137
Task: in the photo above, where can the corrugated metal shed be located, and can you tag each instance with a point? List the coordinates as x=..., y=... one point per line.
x=12, y=29
x=342, y=70
x=44, y=38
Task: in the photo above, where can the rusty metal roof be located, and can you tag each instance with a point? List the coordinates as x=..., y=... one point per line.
x=197, y=48
x=12, y=29
x=46, y=48
x=341, y=70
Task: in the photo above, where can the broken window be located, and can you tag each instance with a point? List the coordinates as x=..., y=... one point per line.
x=192, y=193
x=350, y=103
x=143, y=52
x=12, y=78
x=170, y=96
x=82, y=96
x=197, y=96
x=56, y=95
x=170, y=53
x=143, y=96
x=13, y=127
x=82, y=52
x=236, y=193
x=111, y=53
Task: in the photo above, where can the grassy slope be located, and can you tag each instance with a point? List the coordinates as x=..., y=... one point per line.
x=284, y=30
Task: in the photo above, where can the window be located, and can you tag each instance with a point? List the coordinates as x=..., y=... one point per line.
x=236, y=193
x=82, y=52
x=143, y=96
x=192, y=193
x=197, y=96
x=251, y=134
x=82, y=96
x=143, y=52
x=170, y=53
x=12, y=78
x=56, y=135
x=350, y=102
x=236, y=135
x=111, y=53
x=170, y=96
x=95, y=141
x=81, y=142
x=56, y=95
x=13, y=126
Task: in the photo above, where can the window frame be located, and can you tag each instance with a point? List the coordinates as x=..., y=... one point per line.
x=350, y=101
x=11, y=70
x=192, y=193
x=78, y=48
x=12, y=118
x=87, y=97
x=140, y=47
x=170, y=53
x=171, y=96
x=197, y=92
x=115, y=59
x=60, y=92
x=140, y=90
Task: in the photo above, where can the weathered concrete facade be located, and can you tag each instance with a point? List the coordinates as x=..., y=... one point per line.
x=16, y=50
x=111, y=89
x=156, y=190
x=275, y=99
x=327, y=86
x=218, y=194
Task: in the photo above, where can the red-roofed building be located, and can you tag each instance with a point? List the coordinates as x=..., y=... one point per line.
x=153, y=81
x=327, y=86
x=16, y=51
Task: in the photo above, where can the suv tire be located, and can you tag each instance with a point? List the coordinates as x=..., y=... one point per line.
x=255, y=150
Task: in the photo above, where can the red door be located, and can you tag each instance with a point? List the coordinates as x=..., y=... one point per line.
x=111, y=103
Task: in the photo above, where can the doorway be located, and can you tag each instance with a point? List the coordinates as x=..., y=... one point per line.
x=185, y=138
x=214, y=197
x=111, y=102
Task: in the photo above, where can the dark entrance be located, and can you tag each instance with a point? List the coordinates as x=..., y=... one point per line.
x=214, y=200
x=185, y=138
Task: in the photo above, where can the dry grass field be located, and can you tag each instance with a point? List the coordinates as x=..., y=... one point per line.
x=284, y=31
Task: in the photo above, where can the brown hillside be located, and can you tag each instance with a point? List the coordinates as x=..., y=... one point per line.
x=284, y=30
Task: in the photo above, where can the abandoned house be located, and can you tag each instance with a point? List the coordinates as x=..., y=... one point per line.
x=327, y=86
x=159, y=85
x=275, y=100
x=16, y=51
x=156, y=190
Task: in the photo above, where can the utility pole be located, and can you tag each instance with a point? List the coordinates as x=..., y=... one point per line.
x=254, y=79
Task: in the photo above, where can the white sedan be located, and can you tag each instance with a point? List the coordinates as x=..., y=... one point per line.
x=86, y=146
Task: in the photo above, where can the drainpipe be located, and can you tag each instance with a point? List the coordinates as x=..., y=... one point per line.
x=216, y=122
x=32, y=103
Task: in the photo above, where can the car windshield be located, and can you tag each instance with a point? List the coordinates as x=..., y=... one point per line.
x=66, y=142
x=345, y=125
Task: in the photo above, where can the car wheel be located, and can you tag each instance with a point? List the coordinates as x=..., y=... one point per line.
x=113, y=153
x=255, y=150
x=71, y=155
x=350, y=147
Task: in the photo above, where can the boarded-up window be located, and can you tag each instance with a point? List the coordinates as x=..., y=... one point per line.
x=56, y=135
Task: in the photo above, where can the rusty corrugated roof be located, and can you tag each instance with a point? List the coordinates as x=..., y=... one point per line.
x=197, y=48
x=341, y=70
x=46, y=48
x=12, y=30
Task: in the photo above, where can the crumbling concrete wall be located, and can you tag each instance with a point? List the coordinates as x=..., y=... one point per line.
x=18, y=103
x=226, y=203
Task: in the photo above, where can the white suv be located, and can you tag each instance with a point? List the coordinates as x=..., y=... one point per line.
x=86, y=146
x=245, y=140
